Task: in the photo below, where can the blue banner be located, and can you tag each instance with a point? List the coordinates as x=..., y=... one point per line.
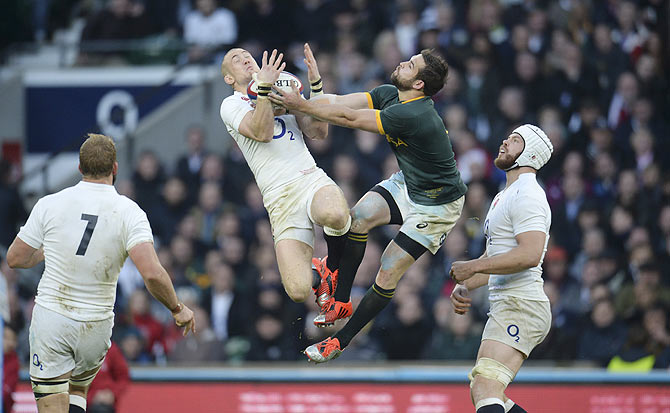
x=57, y=115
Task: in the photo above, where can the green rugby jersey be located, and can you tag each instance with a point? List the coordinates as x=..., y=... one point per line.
x=421, y=144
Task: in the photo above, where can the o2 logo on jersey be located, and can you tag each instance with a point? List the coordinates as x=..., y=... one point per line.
x=513, y=331
x=282, y=130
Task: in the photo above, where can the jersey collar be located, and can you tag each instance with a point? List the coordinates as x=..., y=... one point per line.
x=413, y=99
x=94, y=185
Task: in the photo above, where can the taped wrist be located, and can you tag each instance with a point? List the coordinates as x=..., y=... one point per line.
x=316, y=87
x=264, y=89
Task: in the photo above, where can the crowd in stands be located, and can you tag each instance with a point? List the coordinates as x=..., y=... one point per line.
x=591, y=74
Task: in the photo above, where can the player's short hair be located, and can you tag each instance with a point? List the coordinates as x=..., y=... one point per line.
x=97, y=156
x=434, y=74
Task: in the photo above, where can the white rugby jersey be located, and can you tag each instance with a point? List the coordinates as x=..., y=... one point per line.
x=86, y=231
x=520, y=208
x=274, y=163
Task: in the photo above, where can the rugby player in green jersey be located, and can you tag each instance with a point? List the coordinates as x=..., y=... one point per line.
x=425, y=197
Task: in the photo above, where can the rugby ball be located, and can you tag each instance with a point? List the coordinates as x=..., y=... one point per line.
x=283, y=83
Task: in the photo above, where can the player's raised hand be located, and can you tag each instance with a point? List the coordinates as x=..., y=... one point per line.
x=312, y=68
x=271, y=67
x=291, y=100
x=460, y=300
x=185, y=318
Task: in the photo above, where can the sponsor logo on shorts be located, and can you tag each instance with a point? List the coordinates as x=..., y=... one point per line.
x=442, y=238
x=421, y=225
x=37, y=362
x=513, y=331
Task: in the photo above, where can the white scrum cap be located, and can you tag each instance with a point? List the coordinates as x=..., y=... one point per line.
x=537, y=149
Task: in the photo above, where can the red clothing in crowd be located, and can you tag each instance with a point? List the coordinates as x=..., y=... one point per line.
x=151, y=329
x=113, y=375
x=10, y=377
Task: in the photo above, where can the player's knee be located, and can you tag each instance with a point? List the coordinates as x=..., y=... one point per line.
x=387, y=279
x=360, y=223
x=297, y=293
x=47, y=387
x=487, y=368
x=336, y=218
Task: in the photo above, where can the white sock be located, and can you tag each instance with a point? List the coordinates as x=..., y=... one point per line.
x=78, y=401
x=338, y=232
x=508, y=405
x=488, y=402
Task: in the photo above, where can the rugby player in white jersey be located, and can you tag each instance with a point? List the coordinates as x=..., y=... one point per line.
x=84, y=234
x=517, y=232
x=296, y=193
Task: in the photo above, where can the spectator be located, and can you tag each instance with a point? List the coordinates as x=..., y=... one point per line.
x=456, y=336
x=205, y=347
x=228, y=309
x=207, y=212
x=140, y=317
x=189, y=164
x=646, y=290
x=208, y=29
x=173, y=208
x=10, y=368
x=607, y=58
x=603, y=334
x=12, y=211
x=407, y=336
x=148, y=179
x=621, y=104
x=120, y=20
x=131, y=342
x=561, y=342
x=565, y=288
x=268, y=342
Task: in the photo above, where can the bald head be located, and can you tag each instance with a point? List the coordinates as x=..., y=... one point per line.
x=237, y=68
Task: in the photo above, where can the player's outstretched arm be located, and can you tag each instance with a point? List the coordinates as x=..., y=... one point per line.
x=159, y=284
x=525, y=255
x=359, y=100
x=311, y=127
x=22, y=255
x=341, y=115
x=259, y=123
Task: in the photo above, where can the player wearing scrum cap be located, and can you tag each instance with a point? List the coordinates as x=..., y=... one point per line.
x=296, y=193
x=517, y=232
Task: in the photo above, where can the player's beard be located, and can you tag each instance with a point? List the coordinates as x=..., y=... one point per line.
x=505, y=161
x=401, y=85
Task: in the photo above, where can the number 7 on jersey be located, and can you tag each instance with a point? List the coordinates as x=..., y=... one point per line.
x=83, y=244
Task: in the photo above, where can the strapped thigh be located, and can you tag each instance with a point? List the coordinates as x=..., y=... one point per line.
x=47, y=387
x=491, y=369
x=396, y=216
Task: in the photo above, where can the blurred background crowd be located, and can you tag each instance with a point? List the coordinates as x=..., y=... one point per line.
x=591, y=74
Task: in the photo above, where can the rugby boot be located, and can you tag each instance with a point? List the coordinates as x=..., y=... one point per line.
x=334, y=310
x=323, y=351
x=326, y=288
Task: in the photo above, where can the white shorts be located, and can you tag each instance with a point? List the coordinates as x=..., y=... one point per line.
x=288, y=207
x=521, y=324
x=428, y=225
x=59, y=344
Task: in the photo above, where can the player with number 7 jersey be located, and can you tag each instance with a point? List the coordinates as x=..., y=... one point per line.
x=84, y=234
